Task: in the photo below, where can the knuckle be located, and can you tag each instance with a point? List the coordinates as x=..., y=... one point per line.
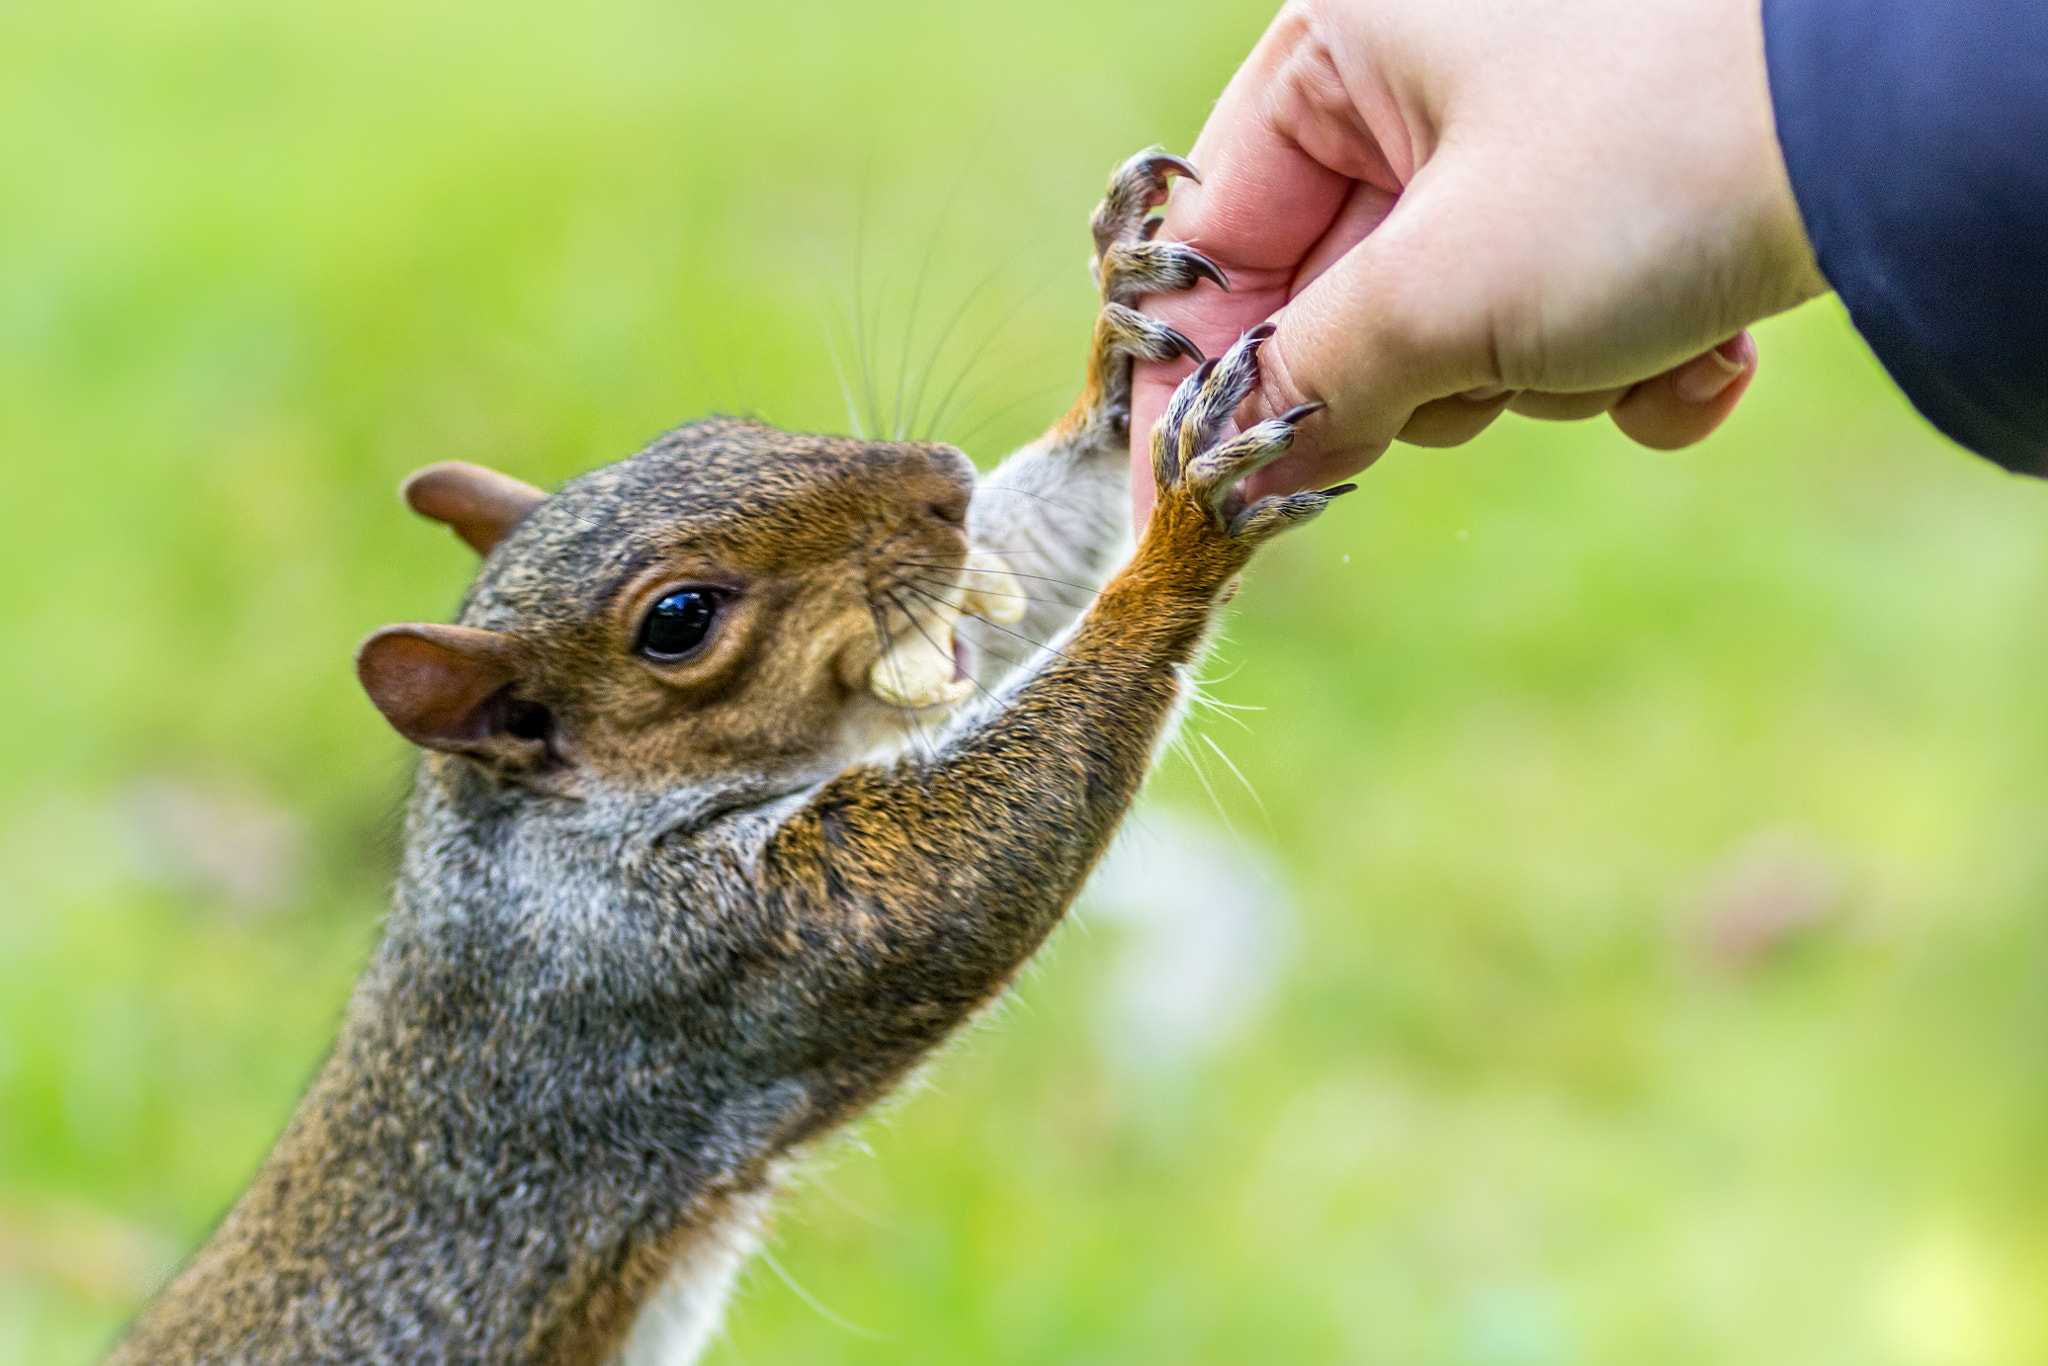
x=1274, y=389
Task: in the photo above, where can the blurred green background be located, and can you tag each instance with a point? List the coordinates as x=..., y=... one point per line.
x=1656, y=846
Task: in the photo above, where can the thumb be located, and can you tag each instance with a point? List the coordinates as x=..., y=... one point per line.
x=1398, y=320
x=1401, y=320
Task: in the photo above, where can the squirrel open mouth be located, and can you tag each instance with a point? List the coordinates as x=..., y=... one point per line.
x=926, y=665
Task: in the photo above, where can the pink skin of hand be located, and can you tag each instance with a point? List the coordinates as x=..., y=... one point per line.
x=1432, y=220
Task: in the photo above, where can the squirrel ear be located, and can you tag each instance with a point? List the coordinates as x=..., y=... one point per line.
x=481, y=505
x=450, y=688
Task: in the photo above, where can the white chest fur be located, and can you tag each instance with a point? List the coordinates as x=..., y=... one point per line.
x=679, y=1319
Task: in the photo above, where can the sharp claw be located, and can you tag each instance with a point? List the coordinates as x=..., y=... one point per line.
x=1340, y=490
x=1259, y=335
x=1159, y=161
x=1302, y=410
x=1149, y=229
x=1201, y=376
x=1206, y=268
x=1181, y=343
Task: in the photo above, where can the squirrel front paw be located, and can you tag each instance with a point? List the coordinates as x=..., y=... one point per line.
x=1127, y=265
x=1201, y=511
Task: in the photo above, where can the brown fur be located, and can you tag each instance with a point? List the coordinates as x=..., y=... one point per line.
x=659, y=924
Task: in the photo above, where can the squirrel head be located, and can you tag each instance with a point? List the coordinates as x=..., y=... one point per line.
x=734, y=598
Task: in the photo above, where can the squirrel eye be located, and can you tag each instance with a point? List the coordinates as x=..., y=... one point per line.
x=678, y=624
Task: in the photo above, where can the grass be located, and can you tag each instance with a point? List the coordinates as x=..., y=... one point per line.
x=1664, y=834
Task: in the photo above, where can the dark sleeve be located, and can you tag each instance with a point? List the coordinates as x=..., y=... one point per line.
x=1916, y=133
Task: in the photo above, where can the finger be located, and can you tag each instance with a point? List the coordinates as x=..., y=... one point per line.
x=1278, y=156
x=1685, y=404
x=1215, y=319
x=1277, y=137
x=1401, y=322
x=1299, y=470
x=1153, y=384
x=1455, y=420
x=1449, y=421
x=1401, y=319
x=1567, y=407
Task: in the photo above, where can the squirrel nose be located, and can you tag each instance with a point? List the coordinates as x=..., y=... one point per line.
x=951, y=508
x=946, y=487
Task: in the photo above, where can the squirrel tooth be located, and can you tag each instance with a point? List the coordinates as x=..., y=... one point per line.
x=919, y=671
x=992, y=591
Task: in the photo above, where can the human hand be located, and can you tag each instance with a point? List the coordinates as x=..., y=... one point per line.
x=1452, y=208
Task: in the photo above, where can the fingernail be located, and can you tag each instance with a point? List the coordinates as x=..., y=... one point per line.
x=1705, y=378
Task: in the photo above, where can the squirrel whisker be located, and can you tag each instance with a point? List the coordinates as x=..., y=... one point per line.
x=931, y=365
x=908, y=714
x=919, y=626
x=1034, y=644
x=989, y=419
x=1026, y=493
x=1002, y=324
x=1040, y=578
x=999, y=551
x=986, y=593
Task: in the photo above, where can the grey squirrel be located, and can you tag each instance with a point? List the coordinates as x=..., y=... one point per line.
x=678, y=893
